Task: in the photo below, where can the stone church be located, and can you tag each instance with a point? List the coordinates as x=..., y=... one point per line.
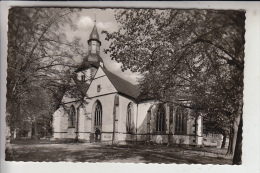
x=111, y=113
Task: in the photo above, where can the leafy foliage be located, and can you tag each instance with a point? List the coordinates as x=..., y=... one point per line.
x=195, y=56
x=40, y=59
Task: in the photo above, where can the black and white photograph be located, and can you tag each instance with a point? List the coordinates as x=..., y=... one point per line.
x=125, y=85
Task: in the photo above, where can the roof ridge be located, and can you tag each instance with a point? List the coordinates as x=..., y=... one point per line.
x=122, y=86
x=117, y=76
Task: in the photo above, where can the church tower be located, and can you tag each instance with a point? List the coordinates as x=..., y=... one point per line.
x=94, y=42
x=92, y=61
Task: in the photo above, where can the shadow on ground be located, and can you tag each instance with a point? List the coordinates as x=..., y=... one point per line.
x=82, y=152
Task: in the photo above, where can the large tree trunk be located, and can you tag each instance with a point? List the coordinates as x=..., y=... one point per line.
x=32, y=130
x=77, y=125
x=224, y=139
x=233, y=136
x=238, y=149
x=230, y=144
x=36, y=130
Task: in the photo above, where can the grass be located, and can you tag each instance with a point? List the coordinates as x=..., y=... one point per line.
x=55, y=151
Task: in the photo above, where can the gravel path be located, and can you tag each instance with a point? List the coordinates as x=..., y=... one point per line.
x=85, y=152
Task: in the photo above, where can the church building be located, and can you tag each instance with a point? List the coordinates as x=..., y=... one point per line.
x=111, y=112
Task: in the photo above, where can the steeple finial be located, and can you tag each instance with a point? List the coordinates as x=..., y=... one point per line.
x=95, y=17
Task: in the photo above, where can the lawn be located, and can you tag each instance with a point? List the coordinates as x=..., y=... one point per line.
x=53, y=151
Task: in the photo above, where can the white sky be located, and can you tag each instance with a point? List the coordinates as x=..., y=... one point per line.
x=105, y=21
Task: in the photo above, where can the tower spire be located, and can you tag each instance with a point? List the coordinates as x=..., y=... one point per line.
x=94, y=42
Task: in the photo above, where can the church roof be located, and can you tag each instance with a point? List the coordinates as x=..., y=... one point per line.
x=122, y=86
x=82, y=86
x=89, y=61
x=94, y=58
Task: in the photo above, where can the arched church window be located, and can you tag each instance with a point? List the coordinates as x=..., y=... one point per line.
x=72, y=116
x=180, y=119
x=129, y=118
x=160, y=121
x=98, y=114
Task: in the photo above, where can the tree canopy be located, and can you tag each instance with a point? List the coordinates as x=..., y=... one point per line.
x=196, y=53
x=191, y=55
x=39, y=61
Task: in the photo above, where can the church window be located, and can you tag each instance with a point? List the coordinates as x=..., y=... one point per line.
x=160, y=121
x=83, y=78
x=98, y=114
x=181, y=114
x=129, y=118
x=72, y=116
x=98, y=88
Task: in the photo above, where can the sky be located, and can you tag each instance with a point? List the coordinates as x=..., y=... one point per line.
x=105, y=20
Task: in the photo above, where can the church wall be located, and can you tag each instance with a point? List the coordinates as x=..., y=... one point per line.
x=123, y=103
x=71, y=131
x=184, y=138
x=106, y=96
x=60, y=123
x=64, y=124
x=190, y=122
x=154, y=136
x=146, y=124
x=189, y=137
x=99, y=73
x=61, y=120
x=105, y=84
x=56, y=123
x=121, y=132
x=85, y=122
x=142, y=118
x=149, y=134
x=145, y=132
x=146, y=120
x=107, y=102
x=81, y=123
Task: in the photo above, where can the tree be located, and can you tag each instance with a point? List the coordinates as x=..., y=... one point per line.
x=197, y=55
x=40, y=58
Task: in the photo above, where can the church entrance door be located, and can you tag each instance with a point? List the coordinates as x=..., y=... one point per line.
x=97, y=136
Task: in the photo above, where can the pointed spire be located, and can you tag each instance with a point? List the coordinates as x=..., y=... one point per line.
x=94, y=34
x=95, y=17
x=93, y=58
